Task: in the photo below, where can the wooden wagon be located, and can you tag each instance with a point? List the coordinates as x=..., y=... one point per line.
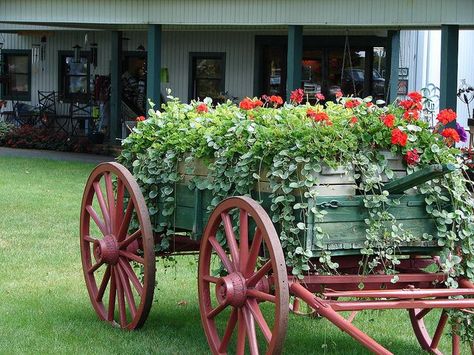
x=250, y=298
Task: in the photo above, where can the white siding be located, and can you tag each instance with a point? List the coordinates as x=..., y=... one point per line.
x=383, y=13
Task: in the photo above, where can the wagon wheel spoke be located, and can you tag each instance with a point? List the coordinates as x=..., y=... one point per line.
x=103, y=284
x=121, y=300
x=241, y=334
x=258, y=316
x=112, y=294
x=97, y=220
x=251, y=332
x=212, y=314
x=118, y=293
x=128, y=292
x=129, y=239
x=439, y=330
x=252, y=280
x=109, y=190
x=125, y=224
x=253, y=252
x=244, y=239
x=228, y=331
x=230, y=237
x=103, y=207
x=222, y=254
x=210, y=279
x=260, y=295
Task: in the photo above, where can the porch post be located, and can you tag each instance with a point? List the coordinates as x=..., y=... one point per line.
x=153, y=78
x=393, y=56
x=449, y=66
x=294, y=57
x=115, y=83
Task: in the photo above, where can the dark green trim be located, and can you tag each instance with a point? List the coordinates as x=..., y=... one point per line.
x=153, y=80
x=191, y=73
x=22, y=52
x=115, y=86
x=449, y=67
x=393, y=64
x=294, y=57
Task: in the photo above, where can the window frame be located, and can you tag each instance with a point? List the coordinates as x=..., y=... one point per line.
x=193, y=56
x=62, y=75
x=24, y=96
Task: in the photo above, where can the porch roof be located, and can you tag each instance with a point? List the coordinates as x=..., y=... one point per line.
x=136, y=14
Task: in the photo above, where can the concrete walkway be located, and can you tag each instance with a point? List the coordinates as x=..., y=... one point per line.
x=54, y=155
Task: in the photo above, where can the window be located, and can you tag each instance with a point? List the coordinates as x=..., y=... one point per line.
x=17, y=75
x=207, y=75
x=134, y=70
x=73, y=77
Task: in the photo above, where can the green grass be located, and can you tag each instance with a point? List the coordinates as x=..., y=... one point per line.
x=45, y=308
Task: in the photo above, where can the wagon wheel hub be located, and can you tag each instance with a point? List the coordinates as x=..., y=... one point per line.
x=106, y=250
x=231, y=290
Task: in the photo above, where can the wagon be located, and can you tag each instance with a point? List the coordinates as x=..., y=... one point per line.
x=245, y=306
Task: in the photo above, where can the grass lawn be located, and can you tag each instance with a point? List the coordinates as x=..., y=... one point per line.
x=45, y=308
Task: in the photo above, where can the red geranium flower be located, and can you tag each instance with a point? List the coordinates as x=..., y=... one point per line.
x=451, y=135
x=319, y=116
x=246, y=104
x=369, y=104
x=339, y=94
x=202, y=108
x=257, y=103
x=415, y=96
x=406, y=104
x=320, y=96
x=353, y=120
x=445, y=116
x=411, y=115
x=352, y=103
x=388, y=120
x=399, y=137
x=412, y=157
x=140, y=118
x=297, y=96
x=277, y=100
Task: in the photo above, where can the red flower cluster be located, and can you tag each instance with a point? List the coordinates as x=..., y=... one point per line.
x=445, y=116
x=140, y=118
x=320, y=97
x=296, y=96
x=202, y=108
x=388, y=120
x=353, y=120
x=248, y=104
x=339, y=94
x=412, y=157
x=399, y=137
x=412, y=106
x=318, y=116
x=277, y=100
x=451, y=135
x=352, y=103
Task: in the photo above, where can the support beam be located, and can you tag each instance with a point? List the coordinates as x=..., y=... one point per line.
x=449, y=67
x=153, y=88
x=115, y=92
x=294, y=57
x=393, y=64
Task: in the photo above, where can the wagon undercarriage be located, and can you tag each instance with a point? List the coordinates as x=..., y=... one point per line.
x=245, y=306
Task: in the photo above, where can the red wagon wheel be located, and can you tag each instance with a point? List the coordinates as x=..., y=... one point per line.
x=117, y=248
x=429, y=339
x=248, y=303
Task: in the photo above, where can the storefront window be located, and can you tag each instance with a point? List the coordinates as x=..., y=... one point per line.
x=207, y=75
x=74, y=77
x=17, y=71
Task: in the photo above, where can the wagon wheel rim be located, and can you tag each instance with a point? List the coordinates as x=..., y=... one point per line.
x=246, y=287
x=429, y=340
x=112, y=252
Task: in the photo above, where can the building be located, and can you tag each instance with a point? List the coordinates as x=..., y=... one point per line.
x=120, y=52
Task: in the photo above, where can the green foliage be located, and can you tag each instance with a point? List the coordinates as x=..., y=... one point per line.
x=289, y=146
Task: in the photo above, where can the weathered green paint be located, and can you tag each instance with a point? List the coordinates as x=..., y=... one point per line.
x=393, y=55
x=418, y=177
x=154, y=65
x=115, y=83
x=449, y=67
x=294, y=57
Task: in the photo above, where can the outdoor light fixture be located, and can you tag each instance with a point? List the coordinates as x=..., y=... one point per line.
x=165, y=75
x=42, y=53
x=94, y=54
x=141, y=48
x=77, y=53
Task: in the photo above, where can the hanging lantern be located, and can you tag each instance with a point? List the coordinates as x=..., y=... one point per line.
x=77, y=53
x=42, y=53
x=94, y=54
x=141, y=48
